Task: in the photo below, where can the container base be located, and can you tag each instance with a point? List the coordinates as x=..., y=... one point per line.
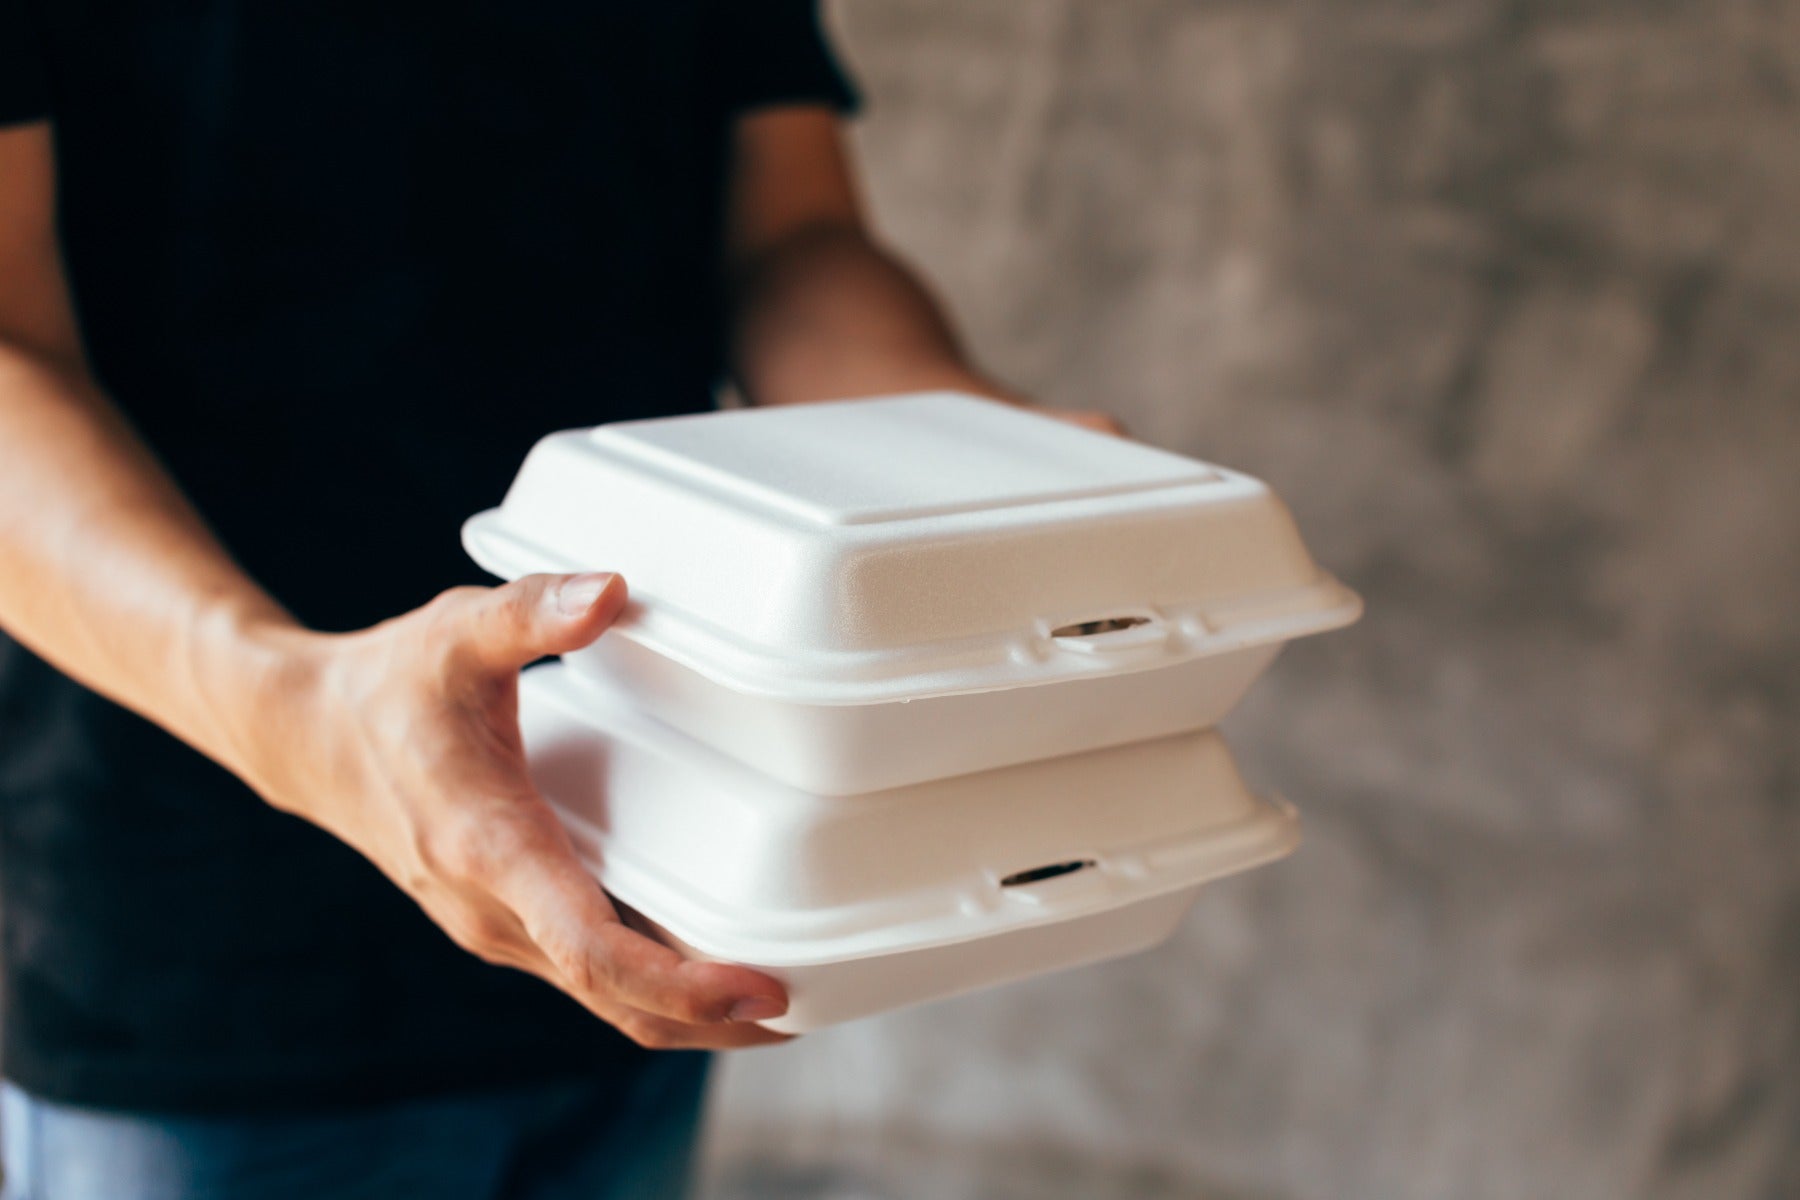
x=833, y=993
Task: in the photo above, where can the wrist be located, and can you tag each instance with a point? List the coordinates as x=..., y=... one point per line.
x=255, y=671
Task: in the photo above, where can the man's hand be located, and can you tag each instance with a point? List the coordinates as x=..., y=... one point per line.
x=1099, y=422
x=821, y=310
x=403, y=740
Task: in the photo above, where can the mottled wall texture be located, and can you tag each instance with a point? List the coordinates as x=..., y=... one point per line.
x=1504, y=297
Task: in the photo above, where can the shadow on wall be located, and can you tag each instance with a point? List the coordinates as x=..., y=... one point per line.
x=1504, y=298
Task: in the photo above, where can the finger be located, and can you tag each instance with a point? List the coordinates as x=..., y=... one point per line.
x=487, y=931
x=660, y=1033
x=651, y=976
x=1099, y=422
x=496, y=935
x=647, y=1029
x=652, y=1030
x=664, y=1033
x=505, y=628
x=573, y=924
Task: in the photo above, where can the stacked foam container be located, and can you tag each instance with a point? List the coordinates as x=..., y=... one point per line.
x=914, y=695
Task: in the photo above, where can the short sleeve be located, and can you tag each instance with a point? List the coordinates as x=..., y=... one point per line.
x=24, y=95
x=771, y=52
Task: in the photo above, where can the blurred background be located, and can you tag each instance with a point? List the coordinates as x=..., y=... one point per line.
x=1503, y=296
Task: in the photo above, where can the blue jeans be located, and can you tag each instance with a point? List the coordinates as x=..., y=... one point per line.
x=591, y=1140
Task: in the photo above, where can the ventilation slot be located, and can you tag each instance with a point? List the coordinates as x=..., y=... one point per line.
x=1081, y=629
x=1048, y=871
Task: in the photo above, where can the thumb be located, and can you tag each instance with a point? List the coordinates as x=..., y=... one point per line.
x=540, y=615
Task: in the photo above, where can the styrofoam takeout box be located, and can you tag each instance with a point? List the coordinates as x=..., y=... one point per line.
x=865, y=594
x=866, y=903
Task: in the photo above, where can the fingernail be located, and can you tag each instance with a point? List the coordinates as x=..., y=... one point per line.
x=576, y=596
x=757, y=1008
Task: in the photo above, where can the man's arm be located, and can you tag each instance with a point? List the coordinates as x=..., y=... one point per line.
x=97, y=547
x=821, y=311
x=403, y=739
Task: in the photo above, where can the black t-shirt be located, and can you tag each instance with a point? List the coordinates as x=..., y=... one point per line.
x=341, y=261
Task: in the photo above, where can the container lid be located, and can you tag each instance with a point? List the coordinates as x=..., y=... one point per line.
x=744, y=868
x=887, y=549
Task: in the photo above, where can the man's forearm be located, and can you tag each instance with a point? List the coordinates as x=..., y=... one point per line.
x=825, y=313
x=107, y=572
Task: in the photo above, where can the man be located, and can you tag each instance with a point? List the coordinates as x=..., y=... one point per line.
x=286, y=291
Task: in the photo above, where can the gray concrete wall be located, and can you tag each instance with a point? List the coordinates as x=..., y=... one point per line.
x=1504, y=298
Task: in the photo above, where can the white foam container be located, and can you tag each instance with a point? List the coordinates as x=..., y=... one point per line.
x=866, y=903
x=865, y=594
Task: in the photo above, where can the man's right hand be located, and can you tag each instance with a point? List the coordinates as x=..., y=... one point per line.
x=403, y=740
